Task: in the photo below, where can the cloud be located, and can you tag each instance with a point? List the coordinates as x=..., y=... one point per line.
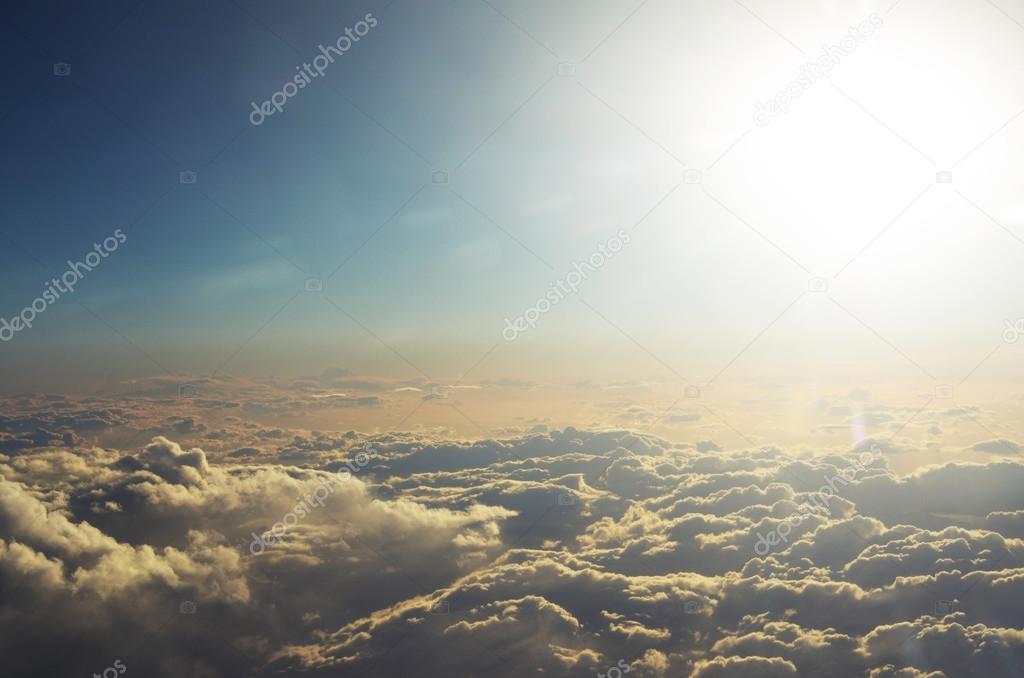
x=999, y=446
x=564, y=551
x=744, y=667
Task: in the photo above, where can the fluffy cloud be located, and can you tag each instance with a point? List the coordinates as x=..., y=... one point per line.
x=567, y=552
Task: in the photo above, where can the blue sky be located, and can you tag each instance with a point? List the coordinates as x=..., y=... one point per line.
x=542, y=167
x=167, y=90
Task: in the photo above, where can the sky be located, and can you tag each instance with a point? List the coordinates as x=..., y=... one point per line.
x=541, y=168
x=512, y=337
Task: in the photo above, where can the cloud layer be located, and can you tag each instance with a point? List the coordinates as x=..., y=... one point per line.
x=561, y=553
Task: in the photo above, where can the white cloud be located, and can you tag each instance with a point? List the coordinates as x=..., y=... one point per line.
x=565, y=552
